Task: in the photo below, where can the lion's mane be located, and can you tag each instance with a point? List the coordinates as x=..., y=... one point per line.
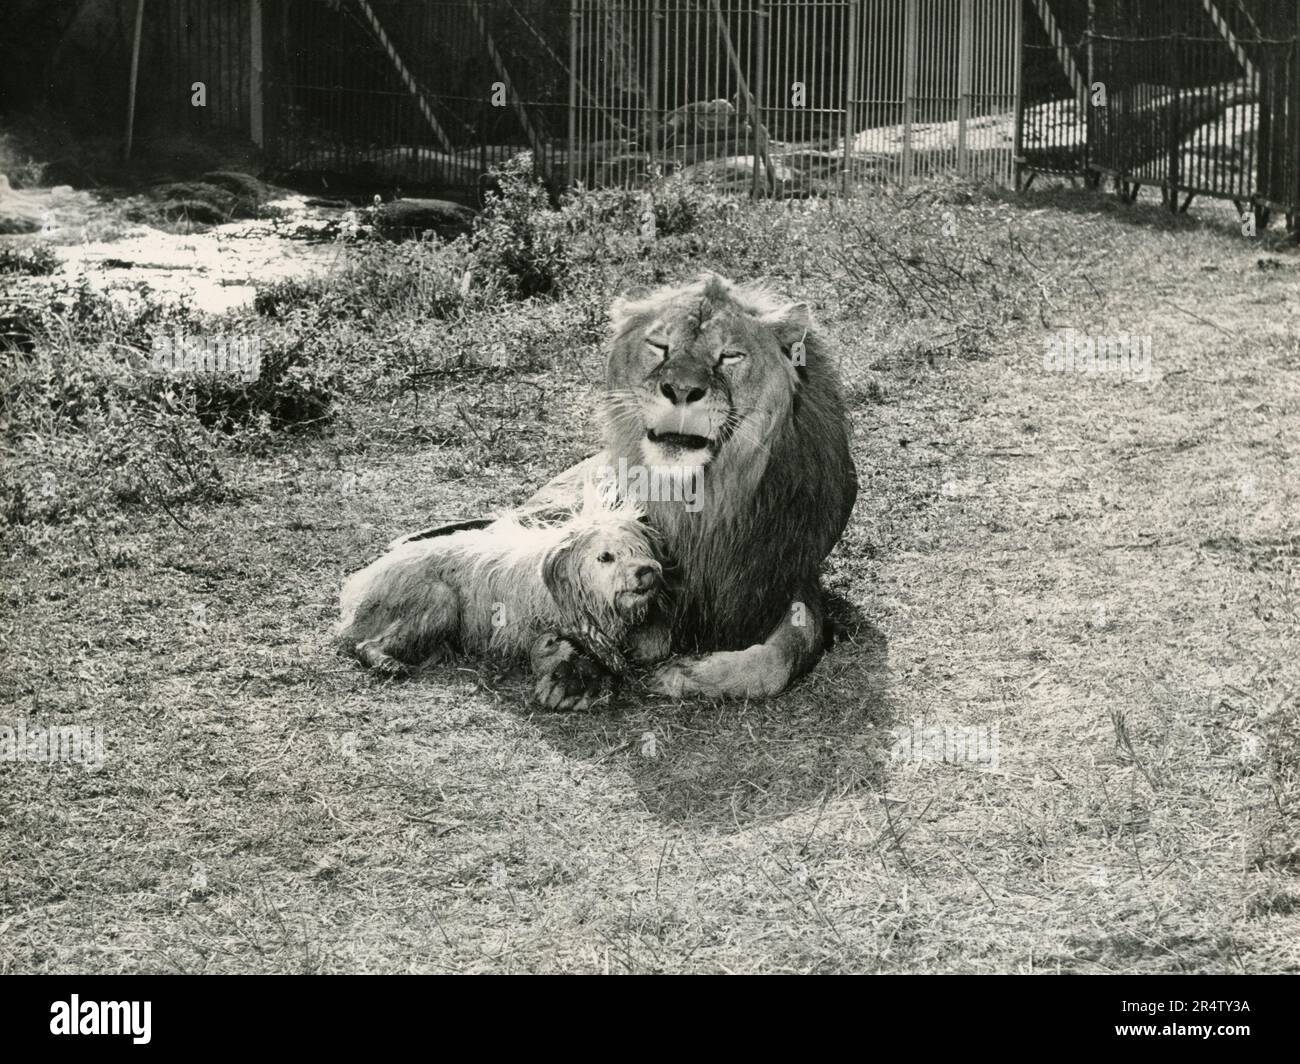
x=779, y=494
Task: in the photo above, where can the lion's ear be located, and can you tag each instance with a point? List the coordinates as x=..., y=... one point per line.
x=789, y=324
x=626, y=307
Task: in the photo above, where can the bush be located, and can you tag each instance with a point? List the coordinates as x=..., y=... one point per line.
x=519, y=238
x=100, y=428
x=418, y=279
x=93, y=439
x=941, y=255
x=679, y=207
x=37, y=260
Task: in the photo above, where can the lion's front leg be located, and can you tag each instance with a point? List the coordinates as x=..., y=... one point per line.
x=760, y=671
x=566, y=677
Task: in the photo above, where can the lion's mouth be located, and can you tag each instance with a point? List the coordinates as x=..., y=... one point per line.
x=679, y=441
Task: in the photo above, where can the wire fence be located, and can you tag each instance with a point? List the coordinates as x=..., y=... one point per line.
x=424, y=95
x=789, y=97
x=772, y=97
x=1195, y=97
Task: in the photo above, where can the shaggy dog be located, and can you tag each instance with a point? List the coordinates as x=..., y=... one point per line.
x=495, y=590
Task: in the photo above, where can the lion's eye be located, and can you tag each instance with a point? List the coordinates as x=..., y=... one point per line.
x=604, y=557
x=659, y=349
x=730, y=358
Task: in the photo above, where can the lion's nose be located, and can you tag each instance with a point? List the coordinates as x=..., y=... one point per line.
x=683, y=383
x=647, y=576
x=677, y=393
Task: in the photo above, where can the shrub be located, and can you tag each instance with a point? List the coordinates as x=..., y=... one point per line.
x=37, y=260
x=679, y=207
x=518, y=237
x=418, y=279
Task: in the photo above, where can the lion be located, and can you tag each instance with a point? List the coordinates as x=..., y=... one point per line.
x=500, y=590
x=729, y=390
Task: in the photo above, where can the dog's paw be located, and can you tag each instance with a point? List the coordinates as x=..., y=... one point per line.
x=565, y=676
x=377, y=660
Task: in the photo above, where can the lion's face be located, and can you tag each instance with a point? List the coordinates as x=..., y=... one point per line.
x=701, y=375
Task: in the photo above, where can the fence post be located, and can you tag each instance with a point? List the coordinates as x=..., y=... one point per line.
x=1294, y=103
x=910, y=45
x=1017, y=145
x=850, y=87
x=965, y=59
x=759, y=14
x=135, y=70
x=1088, y=125
x=575, y=28
x=1174, y=164
x=656, y=27
x=1264, y=149
x=256, y=126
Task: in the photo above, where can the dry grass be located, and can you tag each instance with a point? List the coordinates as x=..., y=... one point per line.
x=1105, y=570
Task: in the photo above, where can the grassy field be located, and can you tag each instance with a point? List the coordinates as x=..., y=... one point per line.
x=1101, y=569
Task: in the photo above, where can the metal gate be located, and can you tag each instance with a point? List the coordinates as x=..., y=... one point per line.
x=792, y=97
x=1196, y=97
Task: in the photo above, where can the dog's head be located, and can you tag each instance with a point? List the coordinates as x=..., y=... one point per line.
x=604, y=570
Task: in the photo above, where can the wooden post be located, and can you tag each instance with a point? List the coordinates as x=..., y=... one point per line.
x=135, y=72
x=256, y=128
x=1088, y=124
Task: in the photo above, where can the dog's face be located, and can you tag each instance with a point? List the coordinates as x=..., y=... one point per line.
x=607, y=568
x=620, y=568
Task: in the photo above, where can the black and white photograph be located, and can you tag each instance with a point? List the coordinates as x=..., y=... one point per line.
x=600, y=487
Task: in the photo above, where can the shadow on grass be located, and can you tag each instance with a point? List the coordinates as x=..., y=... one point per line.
x=730, y=763
x=1147, y=212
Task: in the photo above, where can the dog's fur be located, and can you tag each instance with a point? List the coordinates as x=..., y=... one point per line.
x=496, y=590
x=738, y=386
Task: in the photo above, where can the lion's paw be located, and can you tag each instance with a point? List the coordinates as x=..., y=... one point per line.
x=566, y=677
x=673, y=679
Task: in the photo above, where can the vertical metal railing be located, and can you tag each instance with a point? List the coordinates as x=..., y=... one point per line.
x=1198, y=97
